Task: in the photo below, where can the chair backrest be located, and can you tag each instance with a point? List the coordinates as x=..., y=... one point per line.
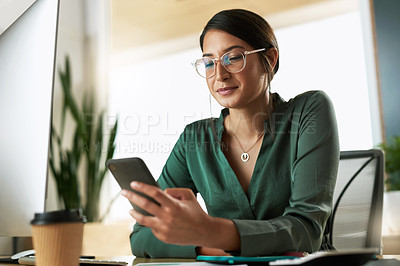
x=356, y=220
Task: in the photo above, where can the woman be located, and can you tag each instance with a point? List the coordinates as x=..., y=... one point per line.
x=265, y=168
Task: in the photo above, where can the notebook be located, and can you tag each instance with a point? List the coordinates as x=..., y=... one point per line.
x=30, y=260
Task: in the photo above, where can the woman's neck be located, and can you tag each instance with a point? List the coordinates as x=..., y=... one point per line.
x=247, y=122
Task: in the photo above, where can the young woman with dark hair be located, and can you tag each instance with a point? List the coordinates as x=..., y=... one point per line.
x=266, y=168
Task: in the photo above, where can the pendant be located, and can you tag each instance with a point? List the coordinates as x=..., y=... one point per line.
x=245, y=157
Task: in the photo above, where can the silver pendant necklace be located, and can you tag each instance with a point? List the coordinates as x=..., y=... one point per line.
x=245, y=155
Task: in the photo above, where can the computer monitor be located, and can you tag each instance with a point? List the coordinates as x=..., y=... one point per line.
x=27, y=66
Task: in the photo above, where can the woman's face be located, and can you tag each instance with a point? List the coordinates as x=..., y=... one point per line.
x=235, y=90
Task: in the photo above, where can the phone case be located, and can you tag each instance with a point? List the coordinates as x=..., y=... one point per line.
x=127, y=170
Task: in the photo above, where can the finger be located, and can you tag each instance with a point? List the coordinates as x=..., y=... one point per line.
x=140, y=201
x=180, y=193
x=152, y=191
x=148, y=221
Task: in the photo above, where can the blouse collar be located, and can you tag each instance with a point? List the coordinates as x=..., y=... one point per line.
x=276, y=99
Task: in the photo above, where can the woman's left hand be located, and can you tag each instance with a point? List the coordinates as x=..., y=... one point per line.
x=179, y=219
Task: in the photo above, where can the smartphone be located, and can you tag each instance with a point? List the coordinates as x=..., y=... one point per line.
x=243, y=260
x=127, y=170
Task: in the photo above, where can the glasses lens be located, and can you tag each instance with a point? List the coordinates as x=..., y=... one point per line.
x=204, y=67
x=233, y=61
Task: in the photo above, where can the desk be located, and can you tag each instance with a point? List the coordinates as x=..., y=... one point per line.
x=388, y=259
x=391, y=244
x=131, y=260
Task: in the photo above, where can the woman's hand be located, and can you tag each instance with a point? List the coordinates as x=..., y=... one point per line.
x=211, y=251
x=180, y=220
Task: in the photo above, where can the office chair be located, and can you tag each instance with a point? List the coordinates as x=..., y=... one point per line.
x=356, y=219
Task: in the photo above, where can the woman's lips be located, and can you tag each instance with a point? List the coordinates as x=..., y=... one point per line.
x=226, y=90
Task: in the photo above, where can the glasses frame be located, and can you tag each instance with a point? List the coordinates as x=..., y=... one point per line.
x=215, y=60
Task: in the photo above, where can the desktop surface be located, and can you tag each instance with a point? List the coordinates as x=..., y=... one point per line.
x=130, y=260
x=385, y=260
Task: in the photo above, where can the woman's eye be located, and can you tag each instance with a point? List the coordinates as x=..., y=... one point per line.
x=231, y=59
x=208, y=63
x=234, y=58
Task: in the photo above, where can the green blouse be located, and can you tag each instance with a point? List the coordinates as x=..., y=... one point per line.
x=289, y=198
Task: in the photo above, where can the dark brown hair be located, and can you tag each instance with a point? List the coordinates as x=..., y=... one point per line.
x=249, y=27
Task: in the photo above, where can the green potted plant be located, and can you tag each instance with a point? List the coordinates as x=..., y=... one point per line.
x=79, y=169
x=392, y=182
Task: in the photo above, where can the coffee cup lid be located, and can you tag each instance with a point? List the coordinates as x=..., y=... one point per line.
x=63, y=216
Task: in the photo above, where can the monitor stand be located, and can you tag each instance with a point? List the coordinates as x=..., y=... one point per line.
x=11, y=245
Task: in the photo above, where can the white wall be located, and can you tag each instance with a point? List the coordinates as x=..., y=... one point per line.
x=328, y=55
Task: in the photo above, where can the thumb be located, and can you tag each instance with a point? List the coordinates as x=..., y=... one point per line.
x=180, y=193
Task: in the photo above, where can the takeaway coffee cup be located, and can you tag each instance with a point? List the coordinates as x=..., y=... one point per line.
x=57, y=237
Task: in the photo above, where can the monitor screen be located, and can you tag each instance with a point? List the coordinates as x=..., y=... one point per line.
x=27, y=64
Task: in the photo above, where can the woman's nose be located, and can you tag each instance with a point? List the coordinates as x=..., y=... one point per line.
x=220, y=72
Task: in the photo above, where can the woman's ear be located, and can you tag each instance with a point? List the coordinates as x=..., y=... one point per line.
x=272, y=55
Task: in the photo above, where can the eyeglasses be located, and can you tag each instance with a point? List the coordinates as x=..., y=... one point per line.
x=233, y=62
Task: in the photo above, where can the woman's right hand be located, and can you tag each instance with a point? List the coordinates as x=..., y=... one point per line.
x=180, y=220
